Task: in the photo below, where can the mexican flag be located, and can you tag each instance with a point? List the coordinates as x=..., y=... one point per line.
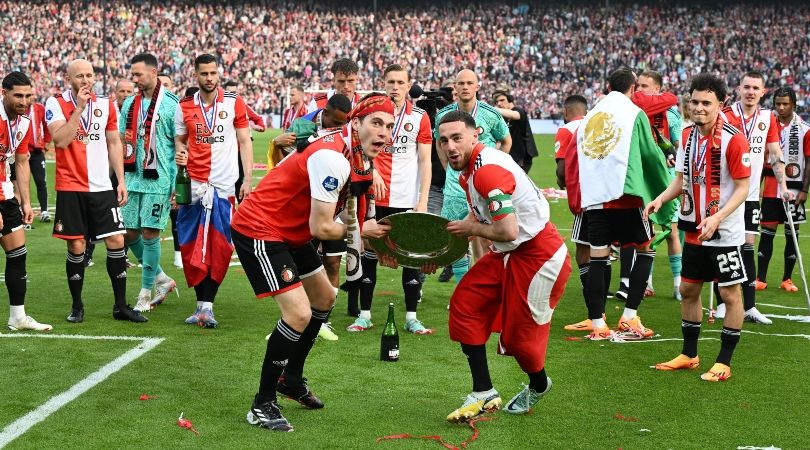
x=618, y=155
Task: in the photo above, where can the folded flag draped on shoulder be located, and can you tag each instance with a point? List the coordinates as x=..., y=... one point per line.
x=204, y=230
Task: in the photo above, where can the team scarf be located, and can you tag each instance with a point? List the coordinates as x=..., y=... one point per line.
x=793, y=154
x=139, y=120
x=695, y=160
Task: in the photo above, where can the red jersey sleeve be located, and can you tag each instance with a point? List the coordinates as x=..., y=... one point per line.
x=773, y=131
x=24, y=146
x=46, y=134
x=241, y=115
x=561, y=141
x=738, y=157
x=806, y=143
x=424, y=136
x=497, y=185
x=254, y=117
x=112, y=118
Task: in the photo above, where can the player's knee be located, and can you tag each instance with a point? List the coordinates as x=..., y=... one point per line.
x=115, y=241
x=731, y=295
x=77, y=246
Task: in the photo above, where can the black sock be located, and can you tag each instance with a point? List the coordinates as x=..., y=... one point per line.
x=728, y=341
x=477, y=359
x=627, y=255
x=608, y=274
x=538, y=380
x=295, y=367
x=206, y=290
x=691, y=332
x=595, y=287
x=279, y=346
x=764, y=253
x=16, y=276
x=74, y=268
x=412, y=288
x=749, y=287
x=790, y=254
x=717, y=297
x=369, y=281
x=638, y=278
x=353, y=303
x=583, y=278
x=117, y=270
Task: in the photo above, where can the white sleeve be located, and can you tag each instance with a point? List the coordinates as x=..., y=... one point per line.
x=179, y=123
x=328, y=172
x=53, y=112
x=679, y=158
x=312, y=106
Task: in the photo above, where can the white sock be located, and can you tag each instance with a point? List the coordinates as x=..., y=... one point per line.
x=677, y=281
x=625, y=281
x=199, y=304
x=629, y=314
x=365, y=315
x=409, y=315
x=145, y=292
x=485, y=394
x=598, y=323
x=177, y=255
x=17, y=312
x=161, y=277
x=207, y=305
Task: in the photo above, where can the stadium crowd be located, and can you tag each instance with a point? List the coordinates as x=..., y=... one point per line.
x=541, y=51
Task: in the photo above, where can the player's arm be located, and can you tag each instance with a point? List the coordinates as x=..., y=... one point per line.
x=506, y=143
x=499, y=185
x=63, y=130
x=501, y=134
x=23, y=171
x=423, y=146
x=778, y=165
x=328, y=172
x=322, y=223
x=115, y=152
x=561, y=173
x=246, y=152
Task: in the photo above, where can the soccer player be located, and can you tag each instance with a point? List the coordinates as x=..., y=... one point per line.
x=146, y=125
x=209, y=128
x=166, y=82
x=297, y=107
x=620, y=167
x=276, y=150
x=16, y=134
x=123, y=89
x=492, y=132
x=759, y=127
x=296, y=202
x=795, y=143
x=85, y=135
x=344, y=82
x=405, y=170
x=41, y=137
x=513, y=289
x=712, y=174
x=253, y=119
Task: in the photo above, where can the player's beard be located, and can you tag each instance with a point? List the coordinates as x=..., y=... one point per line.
x=208, y=91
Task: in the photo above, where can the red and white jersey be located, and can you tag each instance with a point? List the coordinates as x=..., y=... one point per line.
x=15, y=138
x=212, y=143
x=496, y=187
x=84, y=165
x=398, y=165
x=731, y=163
x=41, y=135
x=794, y=139
x=565, y=147
x=292, y=113
x=564, y=136
x=320, y=99
x=759, y=129
x=279, y=208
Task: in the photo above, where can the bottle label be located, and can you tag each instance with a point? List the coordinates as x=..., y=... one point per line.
x=393, y=353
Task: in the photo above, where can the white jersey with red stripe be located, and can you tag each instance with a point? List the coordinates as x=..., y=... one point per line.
x=759, y=129
x=84, y=165
x=496, y=186
x=212, y=142
x=398, y=165
x=563, y=137
x=320, y=99
x=15, y=138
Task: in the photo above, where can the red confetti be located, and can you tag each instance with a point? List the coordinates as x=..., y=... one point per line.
x=442, y=442
x=619, y=416
x=185, y=423
x=145, y=397
x=573, y=338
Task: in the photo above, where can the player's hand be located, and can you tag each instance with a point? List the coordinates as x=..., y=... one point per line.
x=421, y=206
x=181, y=157
x=801, y=198
x=787, y=195
x=375, y=230
x=388, y=261
x=652, y=208
x=246, y=189
x=708, y=227
x=28, y=214
x=670, y=161
x=173, y=201
x=259, y=128
x=82, y=97
x=428, y=269
x=123, y=195
x=378, y=186
x=284, y=140
x=463, y=228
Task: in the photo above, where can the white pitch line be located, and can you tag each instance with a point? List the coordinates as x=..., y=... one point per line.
x=74, y=336
x=805, y=336
x=42, y=412
x=772, y=305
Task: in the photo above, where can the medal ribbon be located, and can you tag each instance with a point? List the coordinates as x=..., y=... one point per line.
x=399, y=123
x=211, y=122
x=12, y=133
x=748, y=130
x=86, y=123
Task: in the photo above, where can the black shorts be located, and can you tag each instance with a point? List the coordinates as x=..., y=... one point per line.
x=773, y=211
x=12, y=216
x=273, y=267
x=330, y=248
x=81, y=214
x=752, y=213
x=625, y=226
x=579, y=230
x=723, y=265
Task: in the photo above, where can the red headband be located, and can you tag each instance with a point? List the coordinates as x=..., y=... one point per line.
x=377, y=103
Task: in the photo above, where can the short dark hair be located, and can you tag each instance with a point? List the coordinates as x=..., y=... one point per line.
x=191, y=91
x=299, y=87
x=785, y=91
x=708, y=82
x=659, y=80
x=15, y=79
x=502, y=93
x=345, y=65
x=230, y=83
x=575, y=99
x=396, y=68
x=458, y=116
x=146, y=58
x=621, y=80
x=754, y=74
x=339, y=102
x=205, y=58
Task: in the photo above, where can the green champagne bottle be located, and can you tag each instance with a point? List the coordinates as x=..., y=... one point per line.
x=182, y=187
x=389, y=343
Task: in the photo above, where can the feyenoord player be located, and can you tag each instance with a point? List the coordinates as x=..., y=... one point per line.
x=146, y=125
x=210, y=127
x=85, y=134
x=405, y=170
x=276, y=151
x=512, y=289
x=296, y=202
x=297, y=107
x=41, y=138
x=123, y=89
x=759, y=127
x=16, y=133
x=713, y=167
x=794, y=139
x=344, y=82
